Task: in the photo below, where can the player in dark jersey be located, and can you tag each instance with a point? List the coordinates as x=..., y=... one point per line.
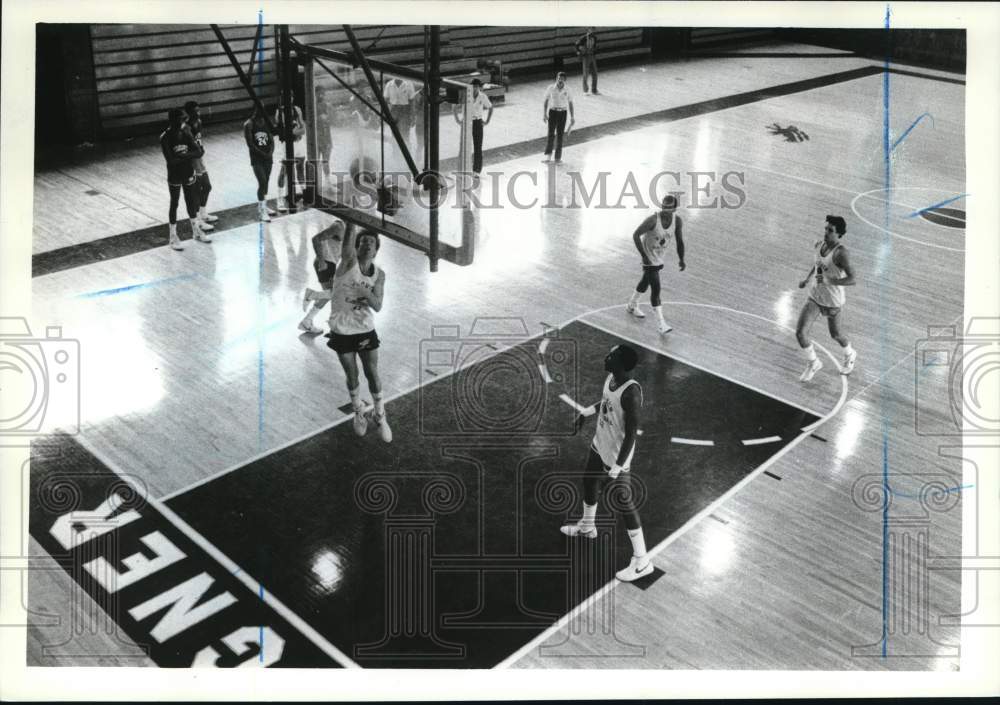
x=200, y=172
x=180, y=150
x=260, y=141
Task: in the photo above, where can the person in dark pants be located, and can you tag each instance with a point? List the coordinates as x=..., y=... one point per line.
x=201, y=173
x=586, y=48
x=260, y=141
x=180, y=149
x=557, y=102
x=480, y=103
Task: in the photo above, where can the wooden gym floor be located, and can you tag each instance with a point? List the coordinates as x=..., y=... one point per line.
x=192, y=368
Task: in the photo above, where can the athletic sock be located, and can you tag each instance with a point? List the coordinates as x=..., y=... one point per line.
x=638, y=542
x=659, y=312
x=356, y=398
x=810, y=352
x=589, y=514
x=173, y=230
x=379, y=404
x=634, y=298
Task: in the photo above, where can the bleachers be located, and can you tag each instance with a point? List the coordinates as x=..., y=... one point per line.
x=142, y=70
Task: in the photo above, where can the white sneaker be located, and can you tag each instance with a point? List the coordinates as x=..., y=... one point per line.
x=209, y=218
x=586, y=92
x=580, y=529
x=200, y=235
x=637, y=568
x=547, y=159
x=309, y=327
x=175, y=243
x=269, y=211
x=361, y=420
x=205, y=225
x=282, y=205
x=635, y=310
x=812, y=367
x=665, y=328
x=849, y=360
x=383, y=426
x=307, y=298
x=264, y=213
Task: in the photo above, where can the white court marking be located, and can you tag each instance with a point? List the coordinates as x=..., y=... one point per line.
x=660, y=547
x=230, y=565
x=868, y=194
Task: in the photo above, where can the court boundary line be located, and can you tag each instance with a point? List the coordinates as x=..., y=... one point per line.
x=697, y=366
x=310, y=633
x=255, y=587
x=690, y=523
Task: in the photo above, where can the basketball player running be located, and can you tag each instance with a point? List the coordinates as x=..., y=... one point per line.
x=180, y=149
x=357, y=293
x=327, y=244
x=611, y=455
x=200, y=172
x=826, y=296
x=651, y=239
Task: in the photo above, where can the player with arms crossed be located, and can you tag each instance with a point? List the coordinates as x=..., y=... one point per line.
x=611, y=456
x=833, y=272
x=651, y=239
x=327, y=244
x=356, y=295
x=180, y=149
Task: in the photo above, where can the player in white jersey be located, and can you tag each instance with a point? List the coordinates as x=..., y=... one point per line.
x=651, y=238
x=327, y=244
x=611, y=456
x=833, y=272
x=357, y=293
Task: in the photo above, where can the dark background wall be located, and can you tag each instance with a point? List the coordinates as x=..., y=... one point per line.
x=98, y=83
x=936, y=48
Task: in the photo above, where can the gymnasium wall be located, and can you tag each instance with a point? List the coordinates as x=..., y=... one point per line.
x=140, y=71
x=936, y=48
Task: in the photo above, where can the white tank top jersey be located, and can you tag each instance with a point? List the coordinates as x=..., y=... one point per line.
x=348, y=315
x=656, y=240
x=828, y=295
x=611, y=424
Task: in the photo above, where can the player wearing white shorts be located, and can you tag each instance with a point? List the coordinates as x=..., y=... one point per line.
x=356, y=295
x=833, y=272
x=327, y=244
x=652, y=238
x=611, y=456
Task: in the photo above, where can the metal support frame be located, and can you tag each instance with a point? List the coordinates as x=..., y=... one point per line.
x=244, y=79
x=433, y=111
x=362, y=60
x=287, y=112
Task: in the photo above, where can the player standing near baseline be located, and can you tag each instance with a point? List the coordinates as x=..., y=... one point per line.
x=357, y=293
x=611, y=455
x=200, y=172
x=651, y=239
x=826, y=296
x=180, y=149
x=327, y=244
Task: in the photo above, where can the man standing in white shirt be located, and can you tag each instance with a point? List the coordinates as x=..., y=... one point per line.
x=557, y=102
x=399, y=94
x=480, y=103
